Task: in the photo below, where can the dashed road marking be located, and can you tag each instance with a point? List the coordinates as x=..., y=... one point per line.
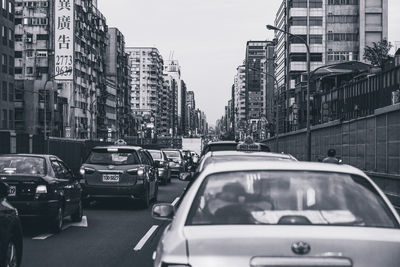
x=83, y=223
x=146, y=237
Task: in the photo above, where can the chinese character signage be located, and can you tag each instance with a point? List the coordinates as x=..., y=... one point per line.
x=64, y=39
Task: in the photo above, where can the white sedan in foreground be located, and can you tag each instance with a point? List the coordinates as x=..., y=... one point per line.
x=280, y=214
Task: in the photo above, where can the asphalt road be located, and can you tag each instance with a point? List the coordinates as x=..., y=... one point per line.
x=115, y=235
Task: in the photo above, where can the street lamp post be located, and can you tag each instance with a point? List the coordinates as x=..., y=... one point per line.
x=308, y=136
x=45, y=96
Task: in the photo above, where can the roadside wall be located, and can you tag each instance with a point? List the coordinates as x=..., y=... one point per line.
x=370, y=143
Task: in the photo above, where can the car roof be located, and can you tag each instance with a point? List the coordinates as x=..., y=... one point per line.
x=234, y=165
x=29, y=155
x=249, y=154
x=119, y=147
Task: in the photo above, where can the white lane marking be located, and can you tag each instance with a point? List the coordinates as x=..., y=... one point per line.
x=42, y=237
x=146, y=237
x=83, y=223
x=175, y=201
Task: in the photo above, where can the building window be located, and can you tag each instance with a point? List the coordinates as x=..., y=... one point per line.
x=343, y=36
x=342, y=56
x=342, y=2
x=11, y=92
x=29, y=70
x=4, y=94
x=4, y=4
x=11, y=119
x=342, y=19
x=4, y=63
x=5, y=119
x=299, y=3
x=315, y=3
x=299, y=21
x=315, y=39
x=18, y=71
x=315, y=21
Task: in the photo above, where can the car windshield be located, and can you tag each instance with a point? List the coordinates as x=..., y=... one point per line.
x=172, y=154
x=22, y=165
x=121, y=157
x=289, y=197
x=156, y=154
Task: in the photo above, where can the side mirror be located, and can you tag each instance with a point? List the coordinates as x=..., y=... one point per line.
x=4, y=189
x=185, y=176
x=163, y=212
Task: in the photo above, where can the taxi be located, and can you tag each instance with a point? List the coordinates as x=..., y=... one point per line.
x=280, y=213
x=248, y=144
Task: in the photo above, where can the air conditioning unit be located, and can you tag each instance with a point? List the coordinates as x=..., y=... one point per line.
x=29, y=39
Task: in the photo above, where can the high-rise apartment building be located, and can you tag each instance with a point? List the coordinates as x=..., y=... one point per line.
x=173, y=69
x=336, y=31
x=183, y=130
x=169, y=107
x=147, y=83
x=74, y=106
x=119, y=74
x=240, y=100
x=7, y=94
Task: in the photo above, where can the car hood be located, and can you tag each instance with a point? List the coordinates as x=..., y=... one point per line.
x=258, y=245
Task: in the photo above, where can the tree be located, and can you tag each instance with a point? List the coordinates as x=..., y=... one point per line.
x=378, y=53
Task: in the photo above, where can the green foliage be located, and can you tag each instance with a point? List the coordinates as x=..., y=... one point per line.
x=378, y=53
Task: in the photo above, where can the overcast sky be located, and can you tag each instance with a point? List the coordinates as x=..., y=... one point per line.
x=208, y=37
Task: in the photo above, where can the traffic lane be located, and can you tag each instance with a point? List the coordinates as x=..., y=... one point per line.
x=114, y=229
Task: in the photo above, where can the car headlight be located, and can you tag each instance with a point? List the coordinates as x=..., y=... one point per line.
x=41, y=189
x=82, y=171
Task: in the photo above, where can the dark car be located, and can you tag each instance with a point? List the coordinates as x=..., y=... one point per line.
x=43, y=187
x=120, y=172
x=177, y=163
x=10, y=231
x=162, y=164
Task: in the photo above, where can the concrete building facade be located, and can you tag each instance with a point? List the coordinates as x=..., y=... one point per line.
x=240, y=100
x=336, y=30
x=7, y=95
x=119, y=74
x=74, y=108
x=147, y=83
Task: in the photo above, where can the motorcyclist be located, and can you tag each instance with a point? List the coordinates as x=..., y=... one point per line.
x=331, y=157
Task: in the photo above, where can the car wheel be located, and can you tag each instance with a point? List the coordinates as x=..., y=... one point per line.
x=12, y=256
x=77, y=215
x=57, y=223
x=155, y=193
x=146, y=199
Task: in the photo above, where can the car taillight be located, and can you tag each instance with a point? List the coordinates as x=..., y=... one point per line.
x=41, y=189
x=86, y=170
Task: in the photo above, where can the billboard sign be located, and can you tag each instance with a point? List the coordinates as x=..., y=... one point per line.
x=64, y=39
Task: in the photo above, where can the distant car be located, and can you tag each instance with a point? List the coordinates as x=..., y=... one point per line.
x=43, y=187
x=177, y=164
x=229, y=146
x=11, y=241
x=162, y=163
x=120, y=172
x=280, y=213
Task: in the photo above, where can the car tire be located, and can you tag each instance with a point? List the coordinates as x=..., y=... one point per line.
x=155, y=194
x=77, y=215
x=11, y=253
x=57, y=223
x=146, y=199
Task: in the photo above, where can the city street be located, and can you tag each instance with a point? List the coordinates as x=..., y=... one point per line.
x=115, y=236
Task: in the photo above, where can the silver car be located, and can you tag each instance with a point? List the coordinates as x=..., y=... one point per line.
x=278, y=213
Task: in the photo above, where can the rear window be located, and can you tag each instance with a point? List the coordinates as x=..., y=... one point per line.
x=289, y=197
x=22, y=165
x=156, y=155
x=120, y=157
x=172, y=154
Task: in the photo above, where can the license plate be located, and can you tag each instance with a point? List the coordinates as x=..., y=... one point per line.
x=12, y=191
x=111, y=178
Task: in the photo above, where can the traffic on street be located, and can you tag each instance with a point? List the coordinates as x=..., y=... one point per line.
x=212, y=133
